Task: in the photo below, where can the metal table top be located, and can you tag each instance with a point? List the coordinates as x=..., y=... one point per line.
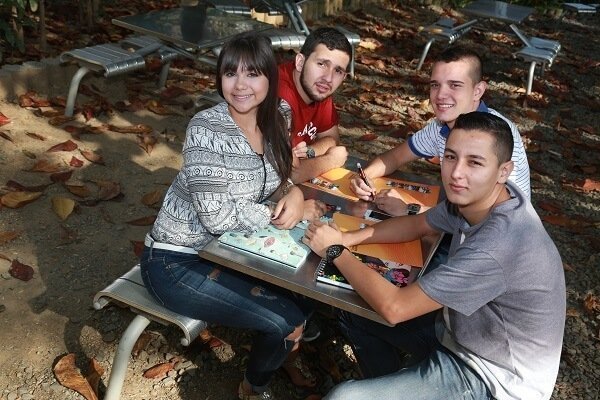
x=499, y=10
x=302, y=279
x=194, y=28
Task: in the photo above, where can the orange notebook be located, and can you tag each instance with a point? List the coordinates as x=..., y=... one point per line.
x=409, y=253
x=337, y=182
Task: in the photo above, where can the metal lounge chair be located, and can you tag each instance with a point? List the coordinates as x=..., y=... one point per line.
x=443, y=29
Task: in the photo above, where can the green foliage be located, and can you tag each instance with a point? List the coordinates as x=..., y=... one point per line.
x=14, y=14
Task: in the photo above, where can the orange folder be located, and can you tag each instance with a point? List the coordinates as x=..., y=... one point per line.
x=405, y=253
x=337, y=182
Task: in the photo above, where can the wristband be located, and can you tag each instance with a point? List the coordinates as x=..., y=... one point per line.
x=287, y=187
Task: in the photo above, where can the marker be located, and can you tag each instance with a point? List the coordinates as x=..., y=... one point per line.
x=361, y=172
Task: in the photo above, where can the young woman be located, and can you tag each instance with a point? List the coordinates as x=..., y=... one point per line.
x=236, y=155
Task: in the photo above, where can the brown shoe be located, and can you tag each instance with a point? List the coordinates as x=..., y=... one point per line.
x=266, y=395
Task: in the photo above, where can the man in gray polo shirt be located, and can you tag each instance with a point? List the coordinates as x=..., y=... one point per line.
x=489, y=322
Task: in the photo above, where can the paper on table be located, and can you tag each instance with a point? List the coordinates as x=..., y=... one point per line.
x=337, y=182
x=409, y=253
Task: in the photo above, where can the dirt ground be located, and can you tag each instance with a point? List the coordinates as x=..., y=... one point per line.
x=117, y=196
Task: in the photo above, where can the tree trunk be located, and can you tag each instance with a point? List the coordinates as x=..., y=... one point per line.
x=43, y=42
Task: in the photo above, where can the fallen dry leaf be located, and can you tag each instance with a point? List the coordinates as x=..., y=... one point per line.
x=587, y=185
x=7, y=236
x=4, y=119
x=15, y=186
x=79, y=190
x=92, y=157
x=36, y=136
x=144, y=221
x=75, y=162
x=5, y=136
x=137, y=129
x=141, y=343
x=20, y=271
x=159, y=108
x=138, y=247
x=108, y=190
x=368, y=137
x=572, y=312
x=591, y=303
x=45, y=166
x=94, y=375
x=29, y=154
x=19, y=199
x=152, y=198
x=59, y=120
x=61, y=176
x=31, y=99
x=63, y=206
x=68, y=375
x=146, y=142
x=159, y=371
x=69, y=145
x=550, y=206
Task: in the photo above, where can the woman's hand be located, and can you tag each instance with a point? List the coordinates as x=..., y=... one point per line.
x=320, y=235
x=313, y=209
x=289, y=209
x=390, y=202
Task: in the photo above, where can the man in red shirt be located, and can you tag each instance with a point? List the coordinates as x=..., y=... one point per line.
x=307, y=84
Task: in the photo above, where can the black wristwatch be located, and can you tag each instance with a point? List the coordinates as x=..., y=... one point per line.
x=334, y=251
x=310, y=152
x=413, y=208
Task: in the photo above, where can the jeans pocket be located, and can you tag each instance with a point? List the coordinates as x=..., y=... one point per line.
x=150, y=287
x=188, y=274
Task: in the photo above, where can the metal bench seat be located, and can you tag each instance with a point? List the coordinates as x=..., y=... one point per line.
x=111, y=59
x=165, y=53
x=129, y=290
x=536, y=51
x=580, y=8
x=443, y=29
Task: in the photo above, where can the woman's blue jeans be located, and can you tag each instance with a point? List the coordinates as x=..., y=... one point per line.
x=200, y=289
x=433, y=372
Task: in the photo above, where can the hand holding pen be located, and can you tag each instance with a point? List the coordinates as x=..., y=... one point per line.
x=361, y=172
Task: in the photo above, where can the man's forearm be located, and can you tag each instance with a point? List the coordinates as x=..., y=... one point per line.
x=392, y=230
x=309, y=168
x=322, y=145
x=390, y=161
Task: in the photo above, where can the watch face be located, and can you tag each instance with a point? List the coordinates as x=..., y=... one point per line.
x=334, y=251
x=310, y=152
x=413, y=208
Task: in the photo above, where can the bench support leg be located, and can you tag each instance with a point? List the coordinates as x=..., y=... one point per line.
x=119, y=367
x=164, y=73
x=530, y=77
x=73, y=89
x=424, y=54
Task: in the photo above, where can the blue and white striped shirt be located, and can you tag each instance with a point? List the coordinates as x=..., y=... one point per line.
x=431, y=141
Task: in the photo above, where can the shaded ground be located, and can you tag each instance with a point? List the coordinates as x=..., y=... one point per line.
x=51, y=314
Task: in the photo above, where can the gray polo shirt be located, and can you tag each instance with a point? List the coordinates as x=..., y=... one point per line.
x=503, y=292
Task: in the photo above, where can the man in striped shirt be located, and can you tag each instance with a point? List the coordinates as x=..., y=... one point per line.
x=456, y=87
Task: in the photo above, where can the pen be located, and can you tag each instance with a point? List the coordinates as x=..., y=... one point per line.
x=364, y=178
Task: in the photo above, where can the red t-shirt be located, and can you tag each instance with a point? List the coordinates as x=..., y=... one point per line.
x=307, y=119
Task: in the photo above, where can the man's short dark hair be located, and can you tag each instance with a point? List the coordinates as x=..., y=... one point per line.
x=458, y=53
x=330, y=37
x=495, y=126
